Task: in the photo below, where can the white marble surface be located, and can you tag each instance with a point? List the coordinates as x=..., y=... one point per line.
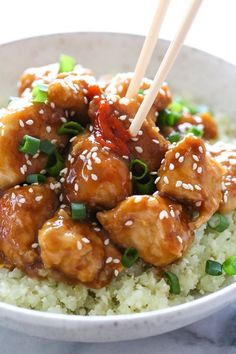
x=214, y=335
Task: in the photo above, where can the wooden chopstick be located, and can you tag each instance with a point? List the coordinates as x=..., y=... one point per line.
x=165, y=67
x=148, y=47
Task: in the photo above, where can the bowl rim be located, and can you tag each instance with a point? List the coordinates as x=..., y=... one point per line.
x=37, y=314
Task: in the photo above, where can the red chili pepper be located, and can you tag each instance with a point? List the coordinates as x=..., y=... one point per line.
x=109, y=130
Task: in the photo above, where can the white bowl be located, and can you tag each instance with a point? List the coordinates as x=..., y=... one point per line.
x=196, y=74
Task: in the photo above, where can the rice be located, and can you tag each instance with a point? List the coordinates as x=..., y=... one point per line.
x=137, y=289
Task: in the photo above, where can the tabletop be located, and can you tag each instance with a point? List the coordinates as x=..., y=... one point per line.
x=213, y=31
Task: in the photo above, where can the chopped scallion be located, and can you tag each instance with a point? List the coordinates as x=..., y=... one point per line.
x=140, y=92
x=55, y=164
x=168, y=118
x=145, y=187
x=229, y=265
x=66, y=63
x=129, y=257
x=35, y=178
x=40, y=93
x=195, y=131
x=174, y=137
x=173, y=282
x=213, y=268
x=78, y=211
x=139, y=169
x=29, y=145
x=218, y=222
x=71, y=127
x=47, y=147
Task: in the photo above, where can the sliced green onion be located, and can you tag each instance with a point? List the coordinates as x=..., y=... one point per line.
x=173, y=282
x=35, y=178
x=195, y=131
x=229, y=266
x=213, y=268
x=139, y=169
x=40, y=93
x=66, y=63
x=55, y=164
x=218, y=222
x=129, y=257
x=47, y=147
x=145, y=187
x=174, y=137
x=71, y=127
x=78, y=211
x=29, y=145
x=168, y=118
x=176, y=107
x=140, y=92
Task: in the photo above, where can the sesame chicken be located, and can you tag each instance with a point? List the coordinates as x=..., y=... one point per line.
x=95, y=175
x=189, y=176
x=156, y=227
x=23, y=211
x=38, y=120
x=75, y=251
x=225, y=155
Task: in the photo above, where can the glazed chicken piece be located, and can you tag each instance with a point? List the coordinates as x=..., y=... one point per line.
x=45, y=74
x=188, y=175
x=70, y=92
x=149, y=145
x=156, y=227
x=204, y=121
x=37, y=120
x=23, y=211
x=75, y=251
x=225, y=155
x=94, y=175
x=120, y=83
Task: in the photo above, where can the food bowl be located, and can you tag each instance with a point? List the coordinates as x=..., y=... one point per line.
x=196, y=75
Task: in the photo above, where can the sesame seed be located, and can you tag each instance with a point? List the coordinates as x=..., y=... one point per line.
x=85, y=100
x=21, y=123
x=163, y=215
x=177, y=155
x=53, y=141
x=39, y=198
x=76, y=187
x=195, y=157
x=22, y=171
x=194, y=166
x=31, y=190
x=172, y=213
x=166, y=180
x=85, y=240
x=185, y=186
x=199, y=170
x=198, y=204
x=155, y=141
x=22, y=200
x=157, y=180
x=200, y=149
x=116, y=272
x=134, y=139
x=181, y=159
x=72, y=139
x=197, y=187
x=178, y=184
x=125, y=157
x=137, y=199
x=108, y=260
x=129, y=223
x=116, y=261
x=34, y=245
x=29, y=122
x=140, y=132
x=179, y=239
x=41, y=111
x=139, y=149
x=171, y=167
x=52, y=104
x=79, y=245
x=63, y=119
x=106, y=242
x=97, y=229
x=48, y=129
x=94, y=177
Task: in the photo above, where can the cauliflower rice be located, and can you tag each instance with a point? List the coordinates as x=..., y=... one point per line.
x=139, y=288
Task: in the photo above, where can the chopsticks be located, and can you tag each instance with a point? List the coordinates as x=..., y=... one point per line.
x=148, y=48
x=165, y=67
